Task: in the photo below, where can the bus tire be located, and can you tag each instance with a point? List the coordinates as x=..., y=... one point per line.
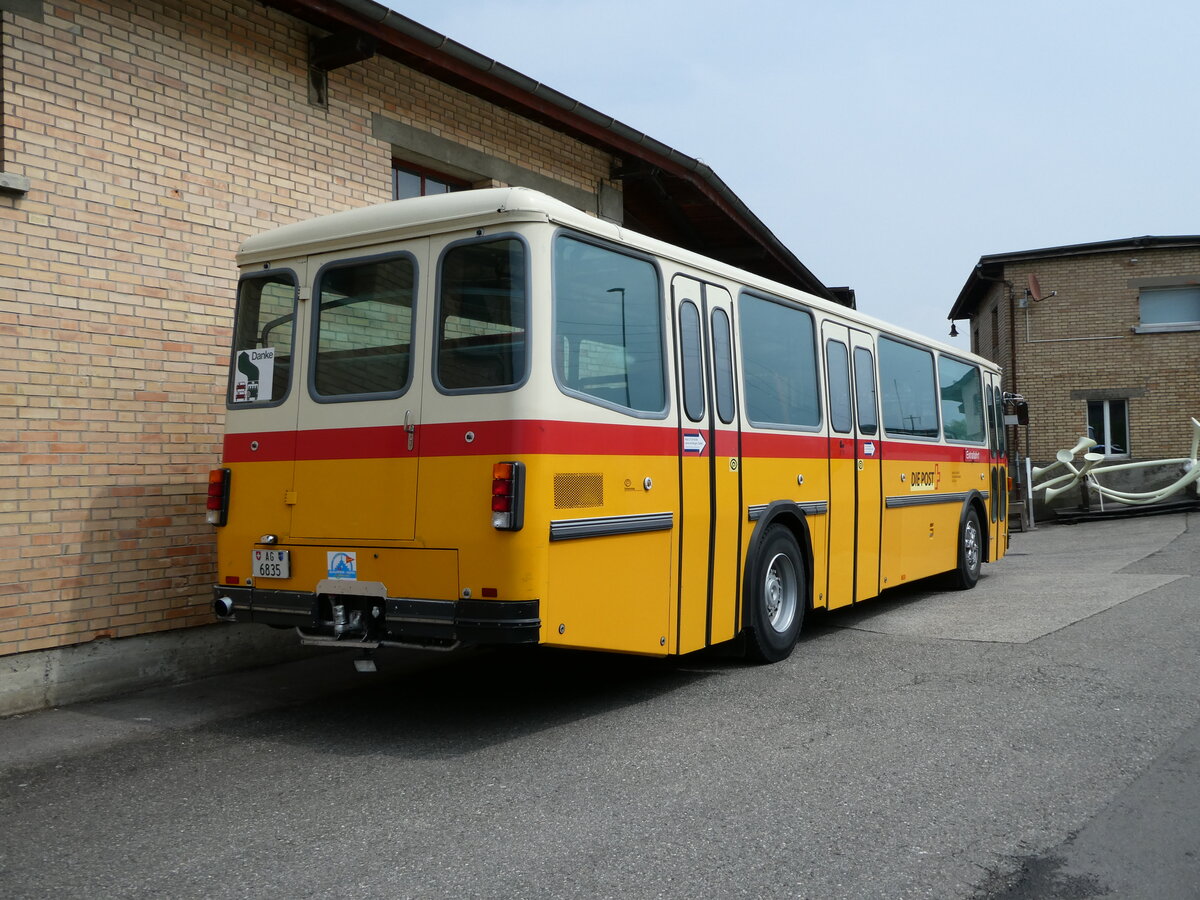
x=777, y=597
x=970, y=551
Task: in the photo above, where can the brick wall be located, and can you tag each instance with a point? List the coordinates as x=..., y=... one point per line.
x=157, y=136
x=1080, y=344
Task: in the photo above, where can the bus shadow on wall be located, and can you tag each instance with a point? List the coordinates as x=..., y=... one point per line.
x=456, y=707
x=139, y=559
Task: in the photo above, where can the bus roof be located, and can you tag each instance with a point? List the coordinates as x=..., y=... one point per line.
x=401, y=219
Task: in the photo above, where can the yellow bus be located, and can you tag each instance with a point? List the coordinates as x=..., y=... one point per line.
x=485, y=417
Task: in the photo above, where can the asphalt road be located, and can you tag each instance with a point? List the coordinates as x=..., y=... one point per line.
x=1038, y=737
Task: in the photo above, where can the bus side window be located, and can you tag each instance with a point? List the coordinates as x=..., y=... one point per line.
x=266, y=312
x=779, y=364
x=909, y=389
x=723, y=365
x=693, y=365
x=864, y=391
x=838, y=364
x=482, y=316
x=962, y=401
x=364, y=328
x=608, y=326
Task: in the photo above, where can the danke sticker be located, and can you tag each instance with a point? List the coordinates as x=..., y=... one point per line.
x=254, y=375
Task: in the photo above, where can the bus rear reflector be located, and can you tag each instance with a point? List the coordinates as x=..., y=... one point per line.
x=218, y=496
x=508, y=496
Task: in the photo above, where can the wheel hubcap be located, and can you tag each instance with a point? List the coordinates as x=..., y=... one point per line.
x=780, y=588
x=971, y=546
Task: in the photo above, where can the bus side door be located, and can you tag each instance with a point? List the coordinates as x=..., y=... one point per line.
x=997, y=469
x=709, y=534
x=855, y=491
x=868, y=467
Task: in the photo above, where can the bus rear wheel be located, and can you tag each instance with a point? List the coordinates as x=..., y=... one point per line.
x=970, y=551
x=777, y=597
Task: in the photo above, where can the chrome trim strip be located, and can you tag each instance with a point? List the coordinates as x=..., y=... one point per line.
x=814, y=508
x=928, y=499
x=601, y=526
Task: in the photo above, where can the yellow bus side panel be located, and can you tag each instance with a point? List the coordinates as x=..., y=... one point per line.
x=841, y=533
x=257, y=506
x=365, y=499
x=802, y=480
x=726, y=552
x=610, y=593
x=870, y=519
x=693, y=528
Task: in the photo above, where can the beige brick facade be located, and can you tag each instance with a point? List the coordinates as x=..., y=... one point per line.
x=1081, y=344
x=156, y=137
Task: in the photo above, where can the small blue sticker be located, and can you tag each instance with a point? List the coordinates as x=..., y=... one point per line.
x=342, y=565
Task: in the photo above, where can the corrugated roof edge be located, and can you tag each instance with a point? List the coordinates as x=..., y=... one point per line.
x=389, y=18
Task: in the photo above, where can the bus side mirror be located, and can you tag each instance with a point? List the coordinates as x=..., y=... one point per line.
x=1016, y=412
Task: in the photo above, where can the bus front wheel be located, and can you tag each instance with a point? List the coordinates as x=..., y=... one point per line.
x=970, y=551
x=777, y=597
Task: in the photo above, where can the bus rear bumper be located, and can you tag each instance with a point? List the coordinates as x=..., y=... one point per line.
x=399, y=619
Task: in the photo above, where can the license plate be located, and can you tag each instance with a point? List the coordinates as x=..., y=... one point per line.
x=271, y=564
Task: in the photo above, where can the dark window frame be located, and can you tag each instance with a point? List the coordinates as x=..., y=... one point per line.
x=724, y=377
x=934, y=397
x=841, y=418
x=526, y=333
x=691, y=362
x=425, y=175
x=866, y=428
x=983, y=439
x=664, y=340
x=262, y=275
x=315, y=329
x=814, y=351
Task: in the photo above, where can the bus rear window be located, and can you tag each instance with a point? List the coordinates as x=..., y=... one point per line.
x=364, y=328
x=482, y=316
x=261, y=364
x=608, y=333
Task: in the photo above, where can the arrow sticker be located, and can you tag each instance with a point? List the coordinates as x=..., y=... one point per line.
x=693, y=442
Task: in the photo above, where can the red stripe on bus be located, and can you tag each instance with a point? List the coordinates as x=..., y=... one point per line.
x=726, y=443
x=457, y=439
x=898, y=450
x=546, y=436
x=554, y=437
x=782, y=446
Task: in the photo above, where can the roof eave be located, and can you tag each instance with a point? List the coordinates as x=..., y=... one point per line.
x=419, y=47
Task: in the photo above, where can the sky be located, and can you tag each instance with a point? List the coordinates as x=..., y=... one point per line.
x=889, y=145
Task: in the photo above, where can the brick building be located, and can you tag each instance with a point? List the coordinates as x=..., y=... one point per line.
x=141, y=143
x=1112, y=345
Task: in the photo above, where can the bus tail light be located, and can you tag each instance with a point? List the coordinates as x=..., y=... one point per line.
x=508, y=496
x=218, y=496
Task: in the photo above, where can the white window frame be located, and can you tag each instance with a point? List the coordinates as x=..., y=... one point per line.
x=1107, y=442
x=1148, y=291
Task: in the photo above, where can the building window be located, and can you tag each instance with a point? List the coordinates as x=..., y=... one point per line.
x=1169, y=308
x=413, y=181
x=1108, y=426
